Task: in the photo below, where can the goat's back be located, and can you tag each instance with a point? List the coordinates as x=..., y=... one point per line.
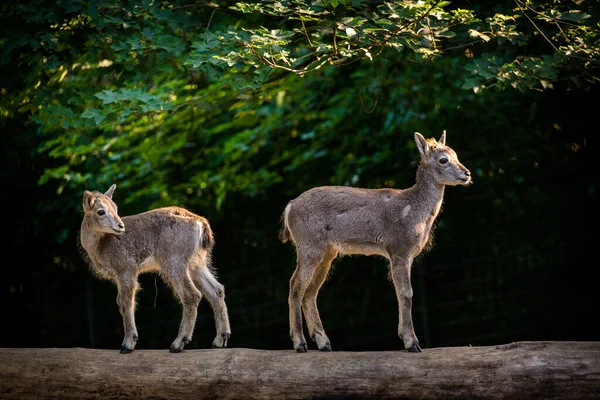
x=342, y=214
x=173, y=226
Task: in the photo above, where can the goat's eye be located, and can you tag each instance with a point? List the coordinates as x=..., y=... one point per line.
x=101, y=212
x=443, y=160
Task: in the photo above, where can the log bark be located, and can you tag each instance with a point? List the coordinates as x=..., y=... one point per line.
x=532, y=370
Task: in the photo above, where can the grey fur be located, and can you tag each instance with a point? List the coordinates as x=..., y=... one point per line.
x=172, y=241
x=396, y=224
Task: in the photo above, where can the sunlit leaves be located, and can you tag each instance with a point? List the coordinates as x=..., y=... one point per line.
x=570, y=15
x=206, y=95
x=477, y=34
x=335, y=34
x=522, y=73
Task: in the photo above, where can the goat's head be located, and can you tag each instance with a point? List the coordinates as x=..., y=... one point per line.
x=102, y=211
x=442, y=161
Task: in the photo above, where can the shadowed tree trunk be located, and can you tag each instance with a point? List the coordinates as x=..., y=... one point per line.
x=542, y=370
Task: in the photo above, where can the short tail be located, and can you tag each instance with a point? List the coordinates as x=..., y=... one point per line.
x=284, y=233
x=207, y=238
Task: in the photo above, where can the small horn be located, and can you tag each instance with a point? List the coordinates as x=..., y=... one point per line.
x=110, y=191
x=443, y=138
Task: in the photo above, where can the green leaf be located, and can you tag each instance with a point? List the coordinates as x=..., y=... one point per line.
x=574, y=15
x=475, y=33
x=445, y=33
x=94, y=114
x=107, y=96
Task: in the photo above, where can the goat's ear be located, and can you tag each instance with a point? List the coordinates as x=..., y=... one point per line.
x=110, y=191
x=88, y=198
x=422, y=144
x=442, y=139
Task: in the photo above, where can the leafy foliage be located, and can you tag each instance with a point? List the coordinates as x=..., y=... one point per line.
x=130, y=90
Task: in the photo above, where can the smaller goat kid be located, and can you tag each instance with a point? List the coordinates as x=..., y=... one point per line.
x=330, y=220
x=171, y=241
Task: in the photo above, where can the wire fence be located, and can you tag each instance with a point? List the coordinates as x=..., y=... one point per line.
x=509, y=262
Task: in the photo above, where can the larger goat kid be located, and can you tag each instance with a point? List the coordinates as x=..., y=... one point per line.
x=172, y=241
x=330, y=220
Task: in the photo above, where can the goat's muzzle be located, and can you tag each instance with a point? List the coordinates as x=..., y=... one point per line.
x=119, y=229
x=467, y=177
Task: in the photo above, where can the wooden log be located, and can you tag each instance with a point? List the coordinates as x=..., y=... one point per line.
x=531, y=370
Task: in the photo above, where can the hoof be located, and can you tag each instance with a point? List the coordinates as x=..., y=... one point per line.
x=415, y=348
x=221, y=341
x=326, y=347
x=176, y=348
x=125, y=350
x=302, y=348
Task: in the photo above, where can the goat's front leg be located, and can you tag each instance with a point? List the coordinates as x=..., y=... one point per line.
x=127, y=286
x=400, y=271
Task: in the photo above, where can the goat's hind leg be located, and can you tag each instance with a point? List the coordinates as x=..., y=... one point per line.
x=215, y=293
x=127, y=286
x=190, y=297
x=307, y=261
x=309, y=303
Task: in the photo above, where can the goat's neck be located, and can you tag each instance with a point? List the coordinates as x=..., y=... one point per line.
x=89, y=236
x=428, y=194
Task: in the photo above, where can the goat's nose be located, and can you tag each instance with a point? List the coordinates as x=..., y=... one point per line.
x=121, y=225
x=467, y=172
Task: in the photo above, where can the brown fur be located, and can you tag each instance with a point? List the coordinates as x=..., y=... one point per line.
x=330, y=220
x=172, y=241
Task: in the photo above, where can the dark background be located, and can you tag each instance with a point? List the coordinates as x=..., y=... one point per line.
x=514, y=255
